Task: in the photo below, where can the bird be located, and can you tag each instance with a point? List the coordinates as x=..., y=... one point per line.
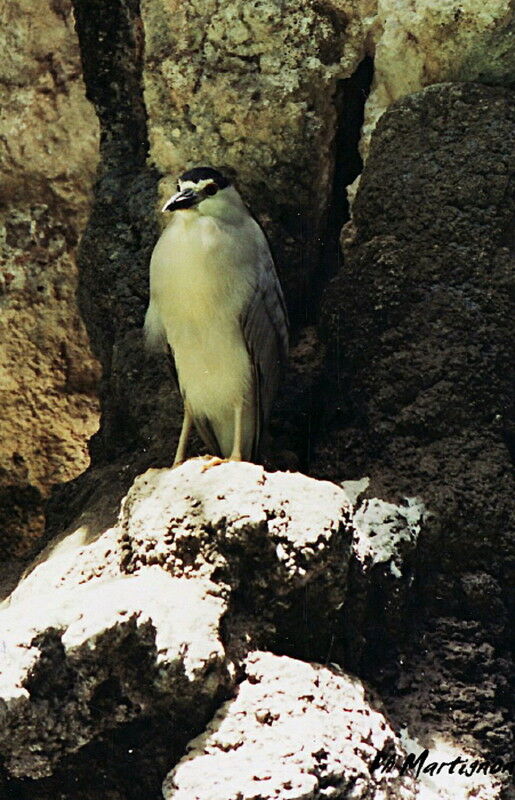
x=216, y=301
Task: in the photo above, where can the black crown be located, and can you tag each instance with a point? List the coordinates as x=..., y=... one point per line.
x=205, y=173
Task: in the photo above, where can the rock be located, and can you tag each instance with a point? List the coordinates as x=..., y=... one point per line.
x=292, y=529
x=48, y=124
x=418, y=325
x=410, y=317
x=254, y=89
x=49, y=155
x=152, y=617
x=383, y=568
x=101, y=654
x=129, y=620
x=385, y=533
x=141, y=411
x=294, y=730
x=108, y=675
x=259, y=91
x=416, y=45
x=448, y=771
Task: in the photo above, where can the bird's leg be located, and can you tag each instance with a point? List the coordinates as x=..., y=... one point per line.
x=187, y=421
x=238, y=432
x=236, y=447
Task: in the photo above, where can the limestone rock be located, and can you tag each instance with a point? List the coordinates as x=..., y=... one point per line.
x=48, y=155
x=295, y=730
x=427, y=42
x=153, y=616
x=129, y=619
x=252, y=88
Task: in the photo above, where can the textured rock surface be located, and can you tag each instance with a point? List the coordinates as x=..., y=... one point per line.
x=418, y=44
x=140, y=410
x=294, y=528
x=103, y=654
x=144, y=625
x=407, y=389
x=268, y=90
x=420, y=315
x=382, y=571
x=48, y=154
x=113, y=639
x=295, y=730
x=253, y=87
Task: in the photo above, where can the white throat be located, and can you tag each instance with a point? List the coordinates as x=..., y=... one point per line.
x=225, y=205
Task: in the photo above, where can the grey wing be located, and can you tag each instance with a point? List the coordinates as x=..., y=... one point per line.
x=265, y=330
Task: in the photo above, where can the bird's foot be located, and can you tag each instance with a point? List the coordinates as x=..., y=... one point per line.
x=213, y=461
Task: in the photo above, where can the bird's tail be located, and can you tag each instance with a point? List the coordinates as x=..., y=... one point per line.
x=155, y=334
x=208, y=436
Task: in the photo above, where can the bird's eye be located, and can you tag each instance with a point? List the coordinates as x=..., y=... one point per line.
x=178, y=187
x=211, y=189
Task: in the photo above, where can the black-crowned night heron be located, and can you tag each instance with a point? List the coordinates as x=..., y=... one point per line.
x=216, y=299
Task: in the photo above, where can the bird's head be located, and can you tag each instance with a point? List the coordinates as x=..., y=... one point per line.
x=206, y=191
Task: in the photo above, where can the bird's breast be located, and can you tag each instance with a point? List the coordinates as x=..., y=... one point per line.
x=199, y=267
x=201, y=278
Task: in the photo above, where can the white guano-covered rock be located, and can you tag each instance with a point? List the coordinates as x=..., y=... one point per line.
x=295, y=730
x=134, y=619
x=238, y=524
x=127, y=644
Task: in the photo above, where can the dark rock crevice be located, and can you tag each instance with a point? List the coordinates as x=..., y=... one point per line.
x=111, y=42
x=140, y=411
x=128, y=763
x=312, y=397
x=350, y=97
x=117, y=243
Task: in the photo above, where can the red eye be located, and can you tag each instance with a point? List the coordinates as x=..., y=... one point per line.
x=211, y=189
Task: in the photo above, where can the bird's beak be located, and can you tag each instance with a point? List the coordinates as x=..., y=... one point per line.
x=185, y=199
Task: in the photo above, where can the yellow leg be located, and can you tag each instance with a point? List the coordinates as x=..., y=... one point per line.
x=180, y=453
x=236, y=446
x=238, y=432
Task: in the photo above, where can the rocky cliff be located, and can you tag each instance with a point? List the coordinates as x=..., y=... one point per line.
x=48, y=376
x=249, y=632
